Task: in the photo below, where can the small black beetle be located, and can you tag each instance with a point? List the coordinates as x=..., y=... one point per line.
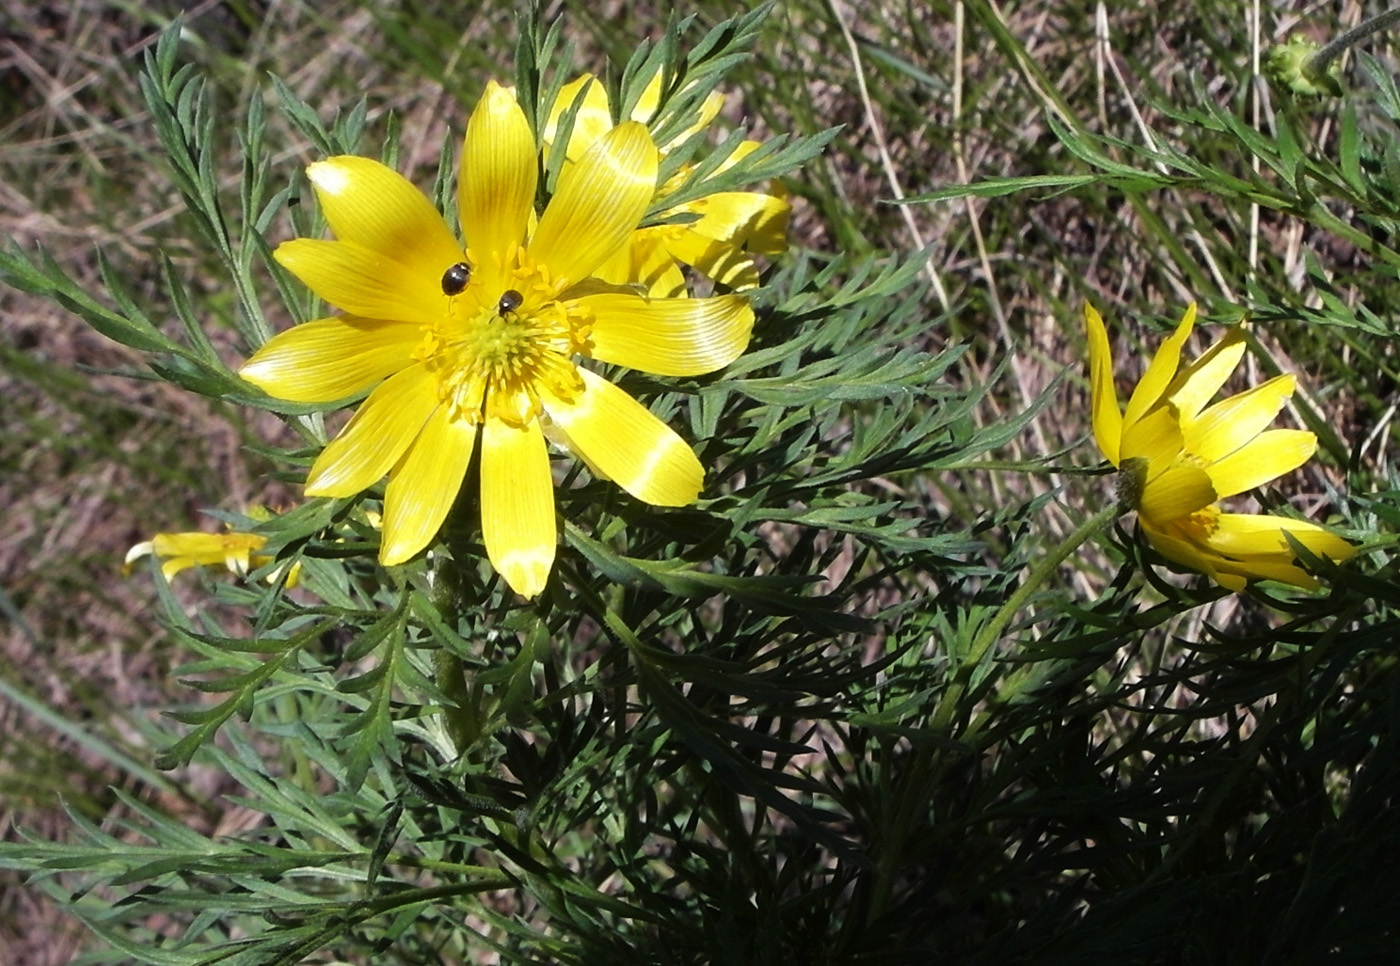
x=455, y=279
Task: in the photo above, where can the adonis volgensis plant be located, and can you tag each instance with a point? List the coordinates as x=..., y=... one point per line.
x=648, y=600
x=471, y=346
x=477, y=352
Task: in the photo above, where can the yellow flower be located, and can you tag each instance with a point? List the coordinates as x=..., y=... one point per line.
x=233, y=550
x=454, y=341
x=1177, y=456
x=717, y=234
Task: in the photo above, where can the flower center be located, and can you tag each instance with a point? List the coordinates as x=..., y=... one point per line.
x=504, y=341
x=1196, y=527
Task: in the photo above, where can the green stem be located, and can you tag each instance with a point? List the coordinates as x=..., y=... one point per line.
x=916, y=792
x=1320, y=61
x=992, y=630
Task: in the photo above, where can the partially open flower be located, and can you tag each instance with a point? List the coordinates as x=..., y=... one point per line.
x=717, y=234
x=233, y=550
x=1177, y=456
x=479, y=340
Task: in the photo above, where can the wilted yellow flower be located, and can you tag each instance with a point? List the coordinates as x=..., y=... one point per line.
x=717, y=234
x=457, y=339
x=1177, y=456
x=234, y=550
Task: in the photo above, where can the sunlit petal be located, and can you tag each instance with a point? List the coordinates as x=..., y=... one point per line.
x=645, y=261
x=1161, y=370
x=1245, y=535
x=365, y=282
x=722, y=261
x=1233, y=575
x=1103, y=399
x=669, y=337
x=496, y=187
x=755, y=221
x=649, y=100
x=1156, y=437
x=1267, y=457
x=598, y=204
x=621, y=437
x=1181, y=490
x=517, y=505
x=376, y=436
x=1233, y=422
x=592, y=121
x=1189, y=554
x=376, y=208
x=180, y=551
x=424, y=485
x=1198, y=383
x=330, y=359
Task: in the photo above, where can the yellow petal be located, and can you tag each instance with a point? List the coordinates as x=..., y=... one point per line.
x=645, y=261
x=1233, y=422
x=424, y=485
x=1187, y=553
x=496, y=188
x=1103, y=399
x=709, y=110
x=1179, y=491
x=592, y=121
x=598, y=204
x=748, y=219
x=1267, y=457
x=517, y=505
x=649, y=100
x=329, y=359
x=722, y=261
x=669, y=337
x=1245, y=535
x=1236, y=548
x=1241, y=572
x=376, y=436
x=619, y=436
x=180, y=551
x=1156, y=437
x=1161, y=371
x=365, y=282
x=374, y=207
x=1199, y=382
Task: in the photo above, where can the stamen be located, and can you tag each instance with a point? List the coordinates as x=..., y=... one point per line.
x=496, y=358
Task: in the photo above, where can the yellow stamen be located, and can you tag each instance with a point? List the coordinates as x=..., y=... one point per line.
x=494, y=350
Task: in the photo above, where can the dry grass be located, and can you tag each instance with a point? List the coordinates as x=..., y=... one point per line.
x=94, y=462
x=91, y=464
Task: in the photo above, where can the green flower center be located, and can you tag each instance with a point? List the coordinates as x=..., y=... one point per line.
x=499, y=346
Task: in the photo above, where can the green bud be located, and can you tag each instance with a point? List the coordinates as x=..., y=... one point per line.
x=1132, y=479
x=1293, y=67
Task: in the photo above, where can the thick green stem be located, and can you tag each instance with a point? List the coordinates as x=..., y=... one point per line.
x=991, y=631
x=917, y=790
x=1320, y=61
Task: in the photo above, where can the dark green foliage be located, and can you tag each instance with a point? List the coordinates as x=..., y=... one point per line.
x=798, y=722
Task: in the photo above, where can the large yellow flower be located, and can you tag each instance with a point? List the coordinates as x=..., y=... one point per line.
x=458, y=339
x=717, y=234
x=1177, y=456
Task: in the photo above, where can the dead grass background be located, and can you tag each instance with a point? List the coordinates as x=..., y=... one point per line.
x=93, y=460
